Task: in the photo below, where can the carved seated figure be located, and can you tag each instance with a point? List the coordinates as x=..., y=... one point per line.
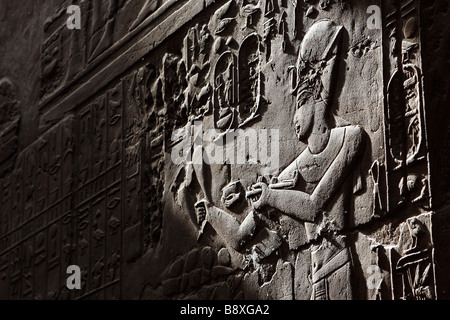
x=315, y=188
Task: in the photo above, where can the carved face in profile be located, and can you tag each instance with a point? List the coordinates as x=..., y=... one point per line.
x=304, y=115
x=315, y=69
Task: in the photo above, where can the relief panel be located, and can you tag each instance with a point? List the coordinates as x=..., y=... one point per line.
x=155, y=179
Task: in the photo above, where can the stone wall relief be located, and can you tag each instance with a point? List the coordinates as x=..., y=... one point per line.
x=251, y=235
x=66, y=54
x=54, y=200
x=313, y=184
x=62, y=56
x=144, y=143
x=225, y=87
x=213, y=63
x=9, y=124
x=412, y=261
x=148, y=8
x=191, y=182
x=416, y=264
x=406, y=134
x=202, y=274
x=217, y=77
x=197, y=56
x=238, y=89
x=257, y=235
x=101, y=31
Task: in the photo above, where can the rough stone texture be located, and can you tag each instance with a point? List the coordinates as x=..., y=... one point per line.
x=228, y=149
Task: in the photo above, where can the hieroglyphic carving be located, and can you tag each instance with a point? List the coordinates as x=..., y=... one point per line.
x=62, y=55
x=83, y=246
x=9, y=124
x=201, y=274
x=113, y=234
x=67, y=53
x=114, y=154
x=337, y=152
x=250, y=9
x=249, y=79
x=225, y=87
x=97, y=243
x=53, y=260
x=148, y=8
x=405, y=131
x=132, y=170
x=84, y=152
x=27, y=270
x=197, y=51
x=6, y=206
x=102, y=26
x=412, y=261
x=60, y=172
x=237, y=86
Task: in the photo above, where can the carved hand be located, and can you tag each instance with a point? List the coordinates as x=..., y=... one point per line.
x=258, y=195
x=200, y=210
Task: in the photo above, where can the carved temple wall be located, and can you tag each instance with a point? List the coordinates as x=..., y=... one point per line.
x=355, y=205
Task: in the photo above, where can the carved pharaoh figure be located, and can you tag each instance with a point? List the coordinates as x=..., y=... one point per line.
x=315, y=187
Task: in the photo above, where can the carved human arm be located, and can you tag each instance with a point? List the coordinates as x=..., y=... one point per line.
x=294, y=203
x=234, y=233
x=306, y=207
